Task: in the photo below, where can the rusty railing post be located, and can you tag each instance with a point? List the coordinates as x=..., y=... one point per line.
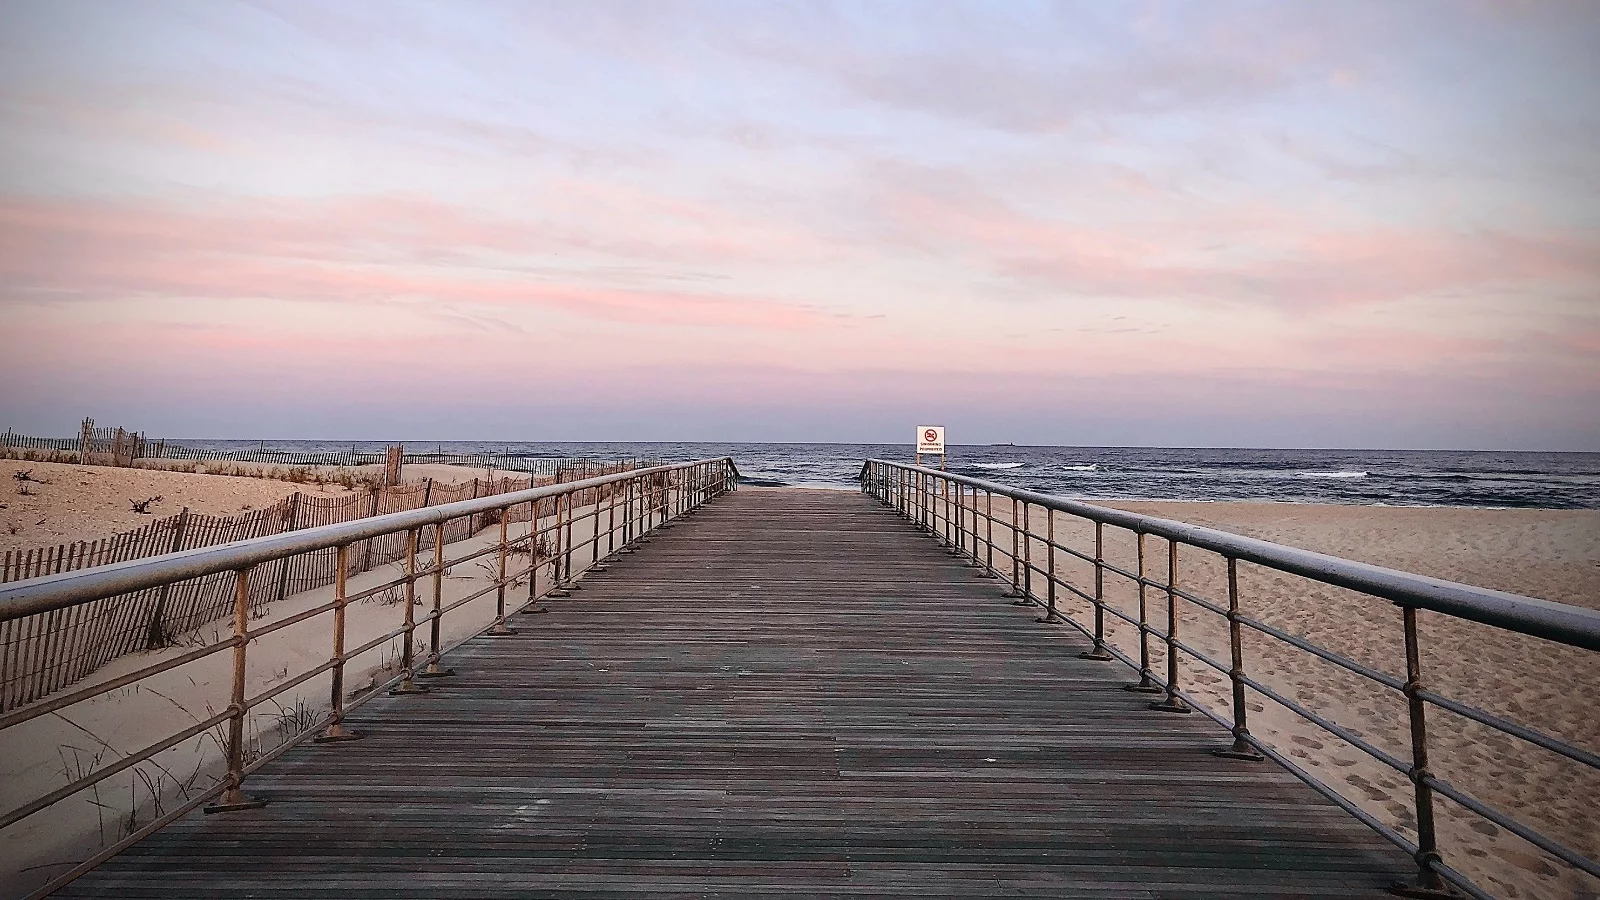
x=594, y=522
x=408, y=684
x=977, y=554
x=567, y=540
x=336, y=730
x=627, y=514
x=1099, y=651
x=1050, y=614
x=611, y=522
x=961, y=519
x=944, y=495
x=1016, y=552
x=535, y=538
x=500, y=628
x=1429, y=882
x=434, y=669
x=233, y=797
x=1025, y=592
x=1241, y=747
x=1172, y=702
x=1146, y=683
x=988, y=526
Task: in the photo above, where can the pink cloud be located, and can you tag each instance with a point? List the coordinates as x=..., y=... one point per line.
x=350, y=251
x=1251, y=255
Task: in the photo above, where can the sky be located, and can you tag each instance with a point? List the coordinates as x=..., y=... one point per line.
x=1363, y=224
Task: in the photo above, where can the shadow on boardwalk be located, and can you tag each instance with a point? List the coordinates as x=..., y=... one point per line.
x=790, y=693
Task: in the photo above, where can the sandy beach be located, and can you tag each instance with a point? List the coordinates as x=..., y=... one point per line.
x=1549, y=554
x=65, y=502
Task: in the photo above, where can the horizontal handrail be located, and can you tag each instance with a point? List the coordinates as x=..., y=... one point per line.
x=1560, y=622
x=53, y=592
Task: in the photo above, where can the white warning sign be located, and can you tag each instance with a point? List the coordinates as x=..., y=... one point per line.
x=930, y=439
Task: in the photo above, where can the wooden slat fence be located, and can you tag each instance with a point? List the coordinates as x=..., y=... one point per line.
x=122, y=447
x=44, y=653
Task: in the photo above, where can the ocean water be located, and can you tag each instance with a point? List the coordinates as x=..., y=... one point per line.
x=1388, y=477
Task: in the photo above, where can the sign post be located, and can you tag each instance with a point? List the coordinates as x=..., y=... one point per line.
x=930, y=440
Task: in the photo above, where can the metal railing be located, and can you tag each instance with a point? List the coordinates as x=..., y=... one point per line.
x=617, y=510
x=948, y=506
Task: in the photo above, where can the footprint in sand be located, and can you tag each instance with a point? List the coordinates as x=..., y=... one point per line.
x=1483, y=827
x=1343, y=761
x=1307, y=742
x=1528, y=862
x=1372, y=791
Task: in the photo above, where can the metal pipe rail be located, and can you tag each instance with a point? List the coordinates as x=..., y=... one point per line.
x=947, y=506
x=622, y=508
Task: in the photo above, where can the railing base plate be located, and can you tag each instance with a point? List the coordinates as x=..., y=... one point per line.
x=336, y=734
x=1411, y=890
x=243, y=803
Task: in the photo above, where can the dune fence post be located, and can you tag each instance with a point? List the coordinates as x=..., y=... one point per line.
x=336, y=730
x=291, y=519
x=156, y=635
x=233, y=797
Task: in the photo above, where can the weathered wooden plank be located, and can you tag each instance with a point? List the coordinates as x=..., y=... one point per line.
x=791, y=693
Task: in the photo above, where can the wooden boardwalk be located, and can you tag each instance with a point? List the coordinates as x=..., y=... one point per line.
x=790, y=693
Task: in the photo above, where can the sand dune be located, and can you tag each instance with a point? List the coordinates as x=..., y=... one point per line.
x=68, y=502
